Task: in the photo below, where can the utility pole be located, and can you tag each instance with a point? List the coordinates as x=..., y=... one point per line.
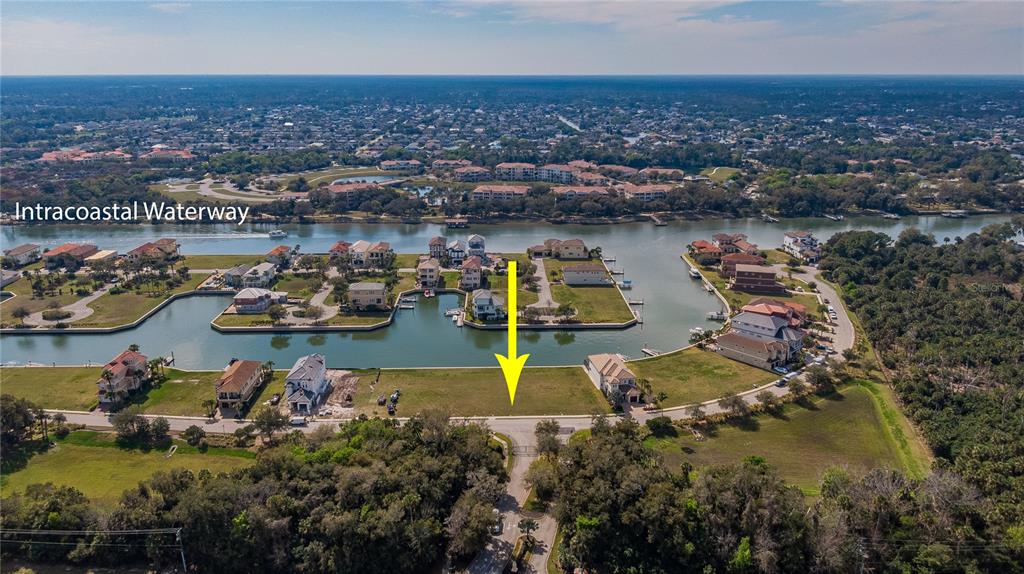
x=181, y=547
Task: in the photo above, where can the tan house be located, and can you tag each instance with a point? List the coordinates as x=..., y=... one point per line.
x=612, y=377
x=428, y=271
x=568, y=249
x=122, y=375
x=367, y=295
x=585, y=274
x=239, y=382
x=472, y=274
x=166, y=248
x=762, y=353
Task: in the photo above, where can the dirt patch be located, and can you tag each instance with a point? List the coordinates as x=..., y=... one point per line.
x=343, y=392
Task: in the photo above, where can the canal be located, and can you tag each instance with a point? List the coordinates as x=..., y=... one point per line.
x=649, y=255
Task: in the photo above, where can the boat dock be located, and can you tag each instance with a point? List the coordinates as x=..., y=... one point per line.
x=717, y=316
x=635, y=302
x=658, y=222
x=650, y=352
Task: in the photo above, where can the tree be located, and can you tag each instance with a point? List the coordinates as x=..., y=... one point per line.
x=546, y=432
x=527, y=526
x=210, y=406
x=819, y=378
x=734, y=405
x=16, y=419
x=277, y=313
x=661, y=426
x=194, y=435
x=130, y=425
x=159, y=429
x=20, y=313
x=696, y=412
x=269, y=420
x=542, y=476
x=768, y=400
x=797, y=387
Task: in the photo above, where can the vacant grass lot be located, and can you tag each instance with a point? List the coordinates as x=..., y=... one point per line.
x=22, y=289
x=407, y=260
x=314, y=178
x=845, y=429
x=594, y=303
x=67, y=388
x=94, y=464
x=111, y=310
x=220, y=262
x=720, y=174
x=182, y=394
x=693, y=375
x=482, y=392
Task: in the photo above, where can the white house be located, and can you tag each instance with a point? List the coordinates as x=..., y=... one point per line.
x=306, y=383
x=476, y=246
x=456, y=251
x=612, y=377
x=585, y=274
x=261, y=275
x=802, y=245
x=488, y=306
x=24, y=254
x=257, y=300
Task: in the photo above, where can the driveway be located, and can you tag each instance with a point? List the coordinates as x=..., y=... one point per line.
x=844, y=335
x=79, y=309
x=544, y=298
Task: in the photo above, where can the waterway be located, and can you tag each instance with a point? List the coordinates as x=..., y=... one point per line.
x=649, y=255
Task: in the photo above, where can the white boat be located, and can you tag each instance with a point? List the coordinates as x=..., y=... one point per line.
x=717, y=316
x=408, y=300
x=625, y=284
x=697, y=331
x=278, y=234
x=694, y=274
x=407, y=306
x=834, y=217
x=768, y=219
x=890, y=216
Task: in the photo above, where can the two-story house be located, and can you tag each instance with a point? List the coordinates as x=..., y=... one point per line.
x=427, y=272
x=472, y=274
x=487, y=306
x=261, y=275
x=456, y=251
x=24, y=254
x=306, y=383
x=124, y=374
x=367, y=295
x=802, y=245
x=612, y=377
x=238, y=384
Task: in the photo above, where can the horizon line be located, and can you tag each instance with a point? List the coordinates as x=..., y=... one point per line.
x=515, y=75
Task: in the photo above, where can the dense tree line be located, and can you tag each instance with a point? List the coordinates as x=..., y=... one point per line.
x=621, y=510
x=374, y=497
x=253, y=164
x=948, y=320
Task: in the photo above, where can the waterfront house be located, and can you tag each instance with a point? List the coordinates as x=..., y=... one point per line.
x=367, y=295
x=24, y=254
x=61, y=255
x=282, y=255
x=257, y=300
x=238, y=384
x=755, y=279
x=705, y=252
x=585, y=274
x=306, y=383
x=487, y=306
x=568, y=249
x=730, y=261
x=456, y=251
x=162, y=249
x=124, y=374
x=472, y=274
x=762, y=326
x=340, y=249
x=379, y=255
x=475, y=246
x=795, y=313
x=233, y=277
x=261, y=275
x=436, y=247
x=802, y=245
x=100, y=256
x=762, y=353
x=609, y=373
x=7, y=277
x=360, y=253
x=427, y=272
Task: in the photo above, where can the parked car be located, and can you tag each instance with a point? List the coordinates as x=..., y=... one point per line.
x=496, y=527
x=275, y=399
x=780, y=383
x=391, y=409
x=780, y=370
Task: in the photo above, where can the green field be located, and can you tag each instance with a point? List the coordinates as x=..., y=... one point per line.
x=594, y=303
x=407, y=260
x=112, y=310
x=693, y=375
x=482, y=392
x=67, y=388
x=720, y=174
x=182, y=394
x=94, y=464
x=22, y=288
x=220, y=262
x=846, y=429
x=358, y=318
x=295, y=286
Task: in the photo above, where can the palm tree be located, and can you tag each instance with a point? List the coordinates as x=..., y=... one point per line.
x=133, y=348
x=528, y=525
x=209, y=405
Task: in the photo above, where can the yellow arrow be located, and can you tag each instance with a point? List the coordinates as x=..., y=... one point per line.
x=512, y=366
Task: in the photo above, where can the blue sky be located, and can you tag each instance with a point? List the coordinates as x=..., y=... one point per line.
x=493, y=37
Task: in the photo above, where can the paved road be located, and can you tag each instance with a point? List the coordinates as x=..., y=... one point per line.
x=544, y=298
x=79, y=309
x=844, y=335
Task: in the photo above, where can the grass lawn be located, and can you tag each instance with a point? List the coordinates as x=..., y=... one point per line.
x=482, y=392
x=182, y=394
x=594, y=303
x=276, y=385
x=295, y=286
x=221, y=262
x=693, y=375
x=720, y=174
x=407, y=260
x=846, y=429
x=22, y=288
x=68, y=388
x=112, y=310
x=777, y=256
x=313, y=178
x=358, y=318
x=246, y=320
x=94, y=464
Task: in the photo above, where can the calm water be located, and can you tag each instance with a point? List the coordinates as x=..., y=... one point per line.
x=649, y=255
